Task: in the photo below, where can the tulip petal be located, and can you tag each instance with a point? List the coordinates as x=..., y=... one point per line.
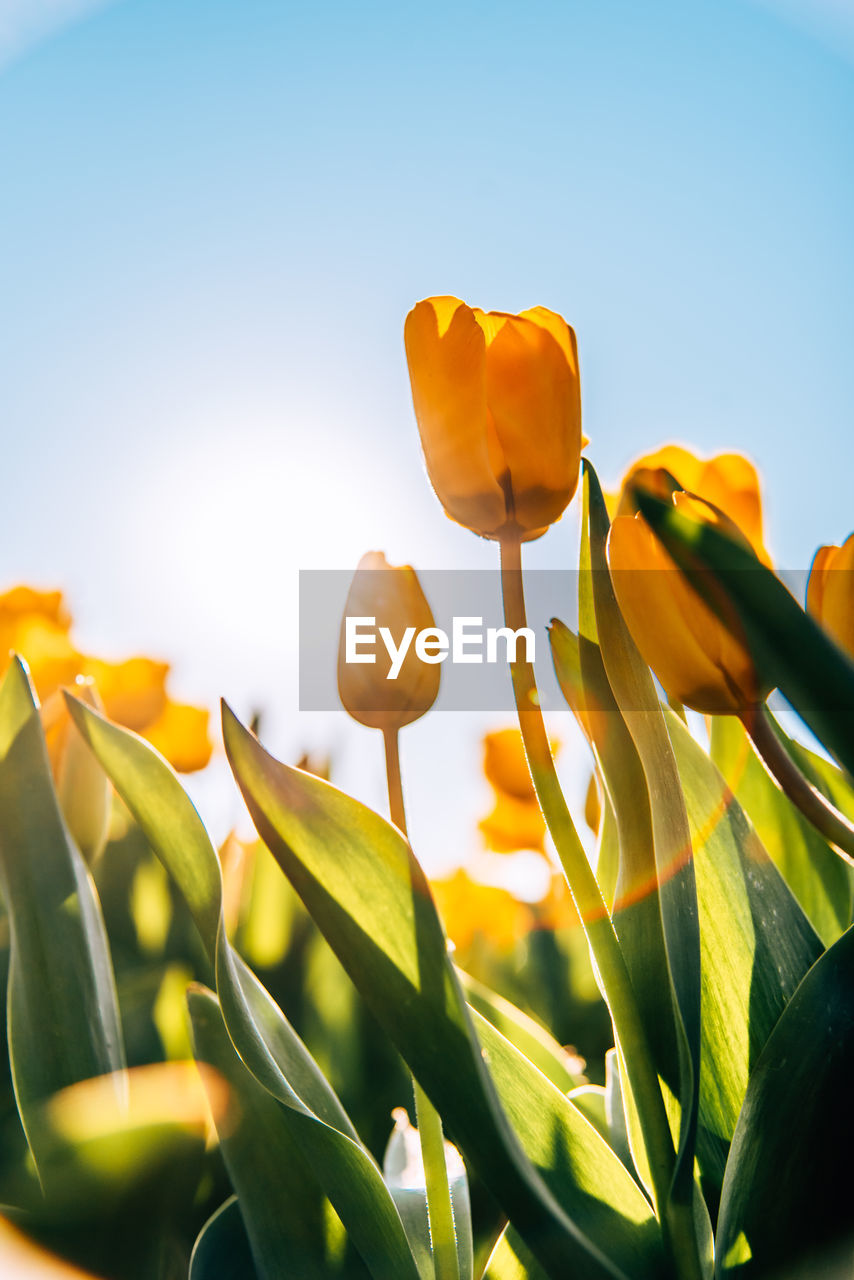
x=668, y=621
x=133, y=692
x=180, y=733
x=446, y=353
x=533, y=395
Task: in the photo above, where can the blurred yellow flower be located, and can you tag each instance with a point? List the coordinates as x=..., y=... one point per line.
x=37, y=625
x=830, y=591
x=728, y=481
x=556, y=910
x=498, y=404
x=392, y=596
x=471, y=910
x=516, y=821
x=698, y=658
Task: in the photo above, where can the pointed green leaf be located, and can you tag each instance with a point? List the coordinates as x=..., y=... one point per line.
x=263, y=1037
x=281, y=1202
x=790, y=649
x=817, y=876
x=756, y=942
x=63, y=1020
x=528, y=1036
x=787, y=1192
x=657, y=870
x=361, y=883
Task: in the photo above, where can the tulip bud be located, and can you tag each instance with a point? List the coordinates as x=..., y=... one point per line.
x=498, y=405
x=699, y=658
x=830, y=592
x=728, y=481
x=391, y=596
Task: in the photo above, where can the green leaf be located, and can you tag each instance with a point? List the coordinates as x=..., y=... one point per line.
x=510, y=1260
x=280, y=1200
x=655, y=911
x=787, y=1191
x=790, y=649
x=361, y=883
x=528, y=1036
x=756, y=942
x=263, y=1037
x=222, y=1250
x=63, y=1021
x=817, y=876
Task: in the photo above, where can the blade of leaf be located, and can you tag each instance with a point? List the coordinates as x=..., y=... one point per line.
x=63, y=1020
x=521, y=1030
x=222, y=1250
x=789, y=648
x=672, y=877
x=819, y=879
x=756, y=942
x=263, y=1037
x=280, y=1200
x=359, y=880
x=787, y=1191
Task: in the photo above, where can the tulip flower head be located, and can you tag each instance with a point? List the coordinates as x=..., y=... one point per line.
x=699, y=658
x=830, y=592
x=729, y=481
x=392, y=596
x=498, y=406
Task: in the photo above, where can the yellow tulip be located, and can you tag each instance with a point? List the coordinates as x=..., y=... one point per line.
x=471, y=910
x=37, y=625
x=830, y=591
x=729, y=481
x=392, y=596
x=498, y=406
x=698, y=658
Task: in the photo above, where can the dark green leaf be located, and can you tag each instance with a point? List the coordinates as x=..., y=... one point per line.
x=63, y=1021
x=790, y=649
x=787, y=1192
x=359, y=880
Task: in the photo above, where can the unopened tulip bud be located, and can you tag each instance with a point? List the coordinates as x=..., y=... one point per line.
x=378, y=689
x=699, y=658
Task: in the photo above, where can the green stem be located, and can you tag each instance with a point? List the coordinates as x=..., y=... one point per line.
x=676, y=1220
x=815, y=807
x=440, y=1209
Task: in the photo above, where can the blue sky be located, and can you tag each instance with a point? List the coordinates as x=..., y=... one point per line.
x=215, y=216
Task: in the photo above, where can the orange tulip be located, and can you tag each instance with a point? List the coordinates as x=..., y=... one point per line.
x=391, y=595
x=698, y=658
x=830, y=592
x=498, y=406
x=729, y=481
x=471, y=910
x=37, y=625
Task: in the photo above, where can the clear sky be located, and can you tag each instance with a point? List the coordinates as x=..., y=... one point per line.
x=214, y=216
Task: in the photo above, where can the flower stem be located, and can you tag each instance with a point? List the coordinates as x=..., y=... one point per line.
x=440, y=1210
x=815, y=807
x=604, y=945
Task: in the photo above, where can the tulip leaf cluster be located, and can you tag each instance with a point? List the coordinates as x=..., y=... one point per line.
x=204, y=1045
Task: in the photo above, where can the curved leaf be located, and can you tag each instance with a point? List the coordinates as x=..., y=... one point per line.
x=63, y=1020
x=819, y=879
x=368, y=895
x=789, y=648
x=787, y=1191
x=222, y=1251
x=263, y=1037
x=280, y=1200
